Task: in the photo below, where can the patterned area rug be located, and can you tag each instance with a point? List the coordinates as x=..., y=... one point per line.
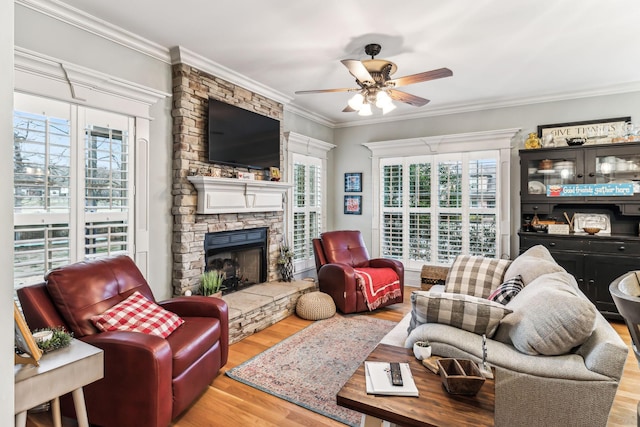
x=310, y=367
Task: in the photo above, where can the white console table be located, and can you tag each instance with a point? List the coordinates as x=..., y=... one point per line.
x=60, y=372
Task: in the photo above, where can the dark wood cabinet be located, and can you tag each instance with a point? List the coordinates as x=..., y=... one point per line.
x=546, y=168
x=597, y=260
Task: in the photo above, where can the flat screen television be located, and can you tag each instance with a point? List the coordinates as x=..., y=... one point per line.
x=240, y=137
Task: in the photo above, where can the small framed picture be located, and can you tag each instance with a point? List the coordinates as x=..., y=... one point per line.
x=353, y=205
x=28, y=351
x=353, y=182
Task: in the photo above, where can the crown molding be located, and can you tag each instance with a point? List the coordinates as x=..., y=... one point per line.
x=89, y=23
x=80, y=85
x=497, y=104
x=301, y=144
x=488, y=140
x=181, y=55
x=314, y=117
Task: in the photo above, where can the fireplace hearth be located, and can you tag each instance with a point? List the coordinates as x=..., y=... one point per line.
x=241, y=255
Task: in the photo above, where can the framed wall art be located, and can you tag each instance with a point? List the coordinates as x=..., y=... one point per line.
x=601, y=131
x=353, y=182
x=353, y=205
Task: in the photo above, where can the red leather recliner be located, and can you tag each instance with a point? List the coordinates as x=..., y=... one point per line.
x=148, y=380
x=337, y=253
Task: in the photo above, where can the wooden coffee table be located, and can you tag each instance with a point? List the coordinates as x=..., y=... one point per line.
x=434, y=407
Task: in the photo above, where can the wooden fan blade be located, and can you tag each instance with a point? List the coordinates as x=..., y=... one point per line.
x=416, y=101
x=302, y=92
x=358, y=70
x=422, y=77
x=348, y=109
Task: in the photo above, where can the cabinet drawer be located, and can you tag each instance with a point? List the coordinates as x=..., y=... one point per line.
x=630, y=209
x=553, y=243
x=620, y=247
x=539, y=208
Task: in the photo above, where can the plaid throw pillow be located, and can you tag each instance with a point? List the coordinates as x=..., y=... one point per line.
x=475, y=275
x=507, y=290
x=472, y=314
x=138, y=314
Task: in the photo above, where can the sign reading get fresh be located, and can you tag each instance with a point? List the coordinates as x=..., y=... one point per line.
x=590, y=190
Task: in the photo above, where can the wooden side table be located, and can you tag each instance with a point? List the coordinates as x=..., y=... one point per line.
x=60, y=372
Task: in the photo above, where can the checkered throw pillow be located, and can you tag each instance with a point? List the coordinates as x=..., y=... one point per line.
x=472, y=314
x=475, y=275
x=507, y=290
x=138, y=314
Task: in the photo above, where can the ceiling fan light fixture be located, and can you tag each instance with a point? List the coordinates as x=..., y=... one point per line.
x=388, y=108
x=383, y=99
x=365, y=110
x=356, y=101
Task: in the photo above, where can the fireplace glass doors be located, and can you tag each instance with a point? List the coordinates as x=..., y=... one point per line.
x=241, y=255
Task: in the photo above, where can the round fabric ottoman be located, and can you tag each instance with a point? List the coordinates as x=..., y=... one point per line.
x=315, y=306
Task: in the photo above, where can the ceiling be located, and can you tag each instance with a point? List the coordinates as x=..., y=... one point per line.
x=501, y=52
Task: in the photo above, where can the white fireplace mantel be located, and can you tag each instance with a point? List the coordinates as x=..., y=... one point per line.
x=229, y=195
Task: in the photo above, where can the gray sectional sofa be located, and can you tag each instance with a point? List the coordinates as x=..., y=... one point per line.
x=558, y=362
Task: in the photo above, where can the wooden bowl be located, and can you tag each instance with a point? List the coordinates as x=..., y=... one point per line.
x=591, y=230
x=460, y=376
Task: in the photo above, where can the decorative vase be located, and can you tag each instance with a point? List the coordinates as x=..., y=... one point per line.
x=421, y=350
x=286, y=271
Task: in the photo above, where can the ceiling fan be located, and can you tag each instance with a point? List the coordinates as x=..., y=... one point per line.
x=376, y=86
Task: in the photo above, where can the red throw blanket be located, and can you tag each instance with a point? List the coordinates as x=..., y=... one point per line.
x=378, y=285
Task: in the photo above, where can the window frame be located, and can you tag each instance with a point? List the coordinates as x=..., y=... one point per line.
x=499, y=140
x=75, y=215
x=300, y=147
x=48, y=77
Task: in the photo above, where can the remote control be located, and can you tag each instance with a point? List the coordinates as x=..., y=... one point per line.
x=396, y=375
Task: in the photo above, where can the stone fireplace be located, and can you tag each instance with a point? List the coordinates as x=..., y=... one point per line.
x=241, y=255
x=192, y=89
x=212, y=209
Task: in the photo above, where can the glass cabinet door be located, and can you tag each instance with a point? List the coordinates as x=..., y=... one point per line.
x=621, y=165
x=544, y=171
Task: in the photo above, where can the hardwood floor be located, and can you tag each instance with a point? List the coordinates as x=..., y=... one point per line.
x=231, y=403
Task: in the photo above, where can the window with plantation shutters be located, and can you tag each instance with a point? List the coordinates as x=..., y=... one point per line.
x=433, y=208
x=107, y=198
x=307, y=207
x=73, y=188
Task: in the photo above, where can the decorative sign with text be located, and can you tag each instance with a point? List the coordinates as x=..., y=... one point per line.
x=590, y=190
x=601, y=131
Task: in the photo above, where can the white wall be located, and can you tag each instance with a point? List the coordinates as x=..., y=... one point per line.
x=6, y=211
x=351, y=156
x=68, y=43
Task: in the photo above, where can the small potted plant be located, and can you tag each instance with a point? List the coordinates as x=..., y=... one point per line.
x=422, y=349
x=212, y=283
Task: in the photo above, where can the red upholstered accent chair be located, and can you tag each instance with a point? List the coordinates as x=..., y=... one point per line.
x=337, y=253
x=148, y=380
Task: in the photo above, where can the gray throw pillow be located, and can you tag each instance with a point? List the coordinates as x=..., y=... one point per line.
x=477, y=315
x=475, y=275
x=533, y=263
x=550, y=317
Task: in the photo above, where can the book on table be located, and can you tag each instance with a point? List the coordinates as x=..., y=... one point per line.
x=378, y=380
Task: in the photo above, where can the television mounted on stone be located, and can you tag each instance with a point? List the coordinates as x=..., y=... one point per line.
x=242, y=138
